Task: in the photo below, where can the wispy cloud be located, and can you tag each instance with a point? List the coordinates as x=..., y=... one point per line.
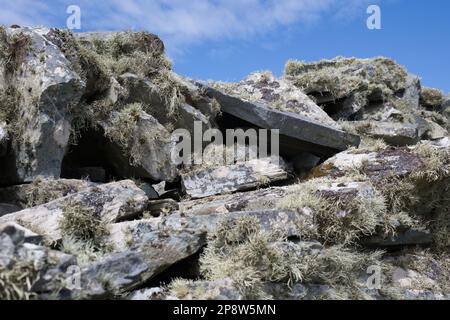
x=180, y=22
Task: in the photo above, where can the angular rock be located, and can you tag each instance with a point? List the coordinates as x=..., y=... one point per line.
x=297, y=132
x=149, y=149
x=241, y=176
x=129, y=269
x=111, y=202
x=396, y=134
x=41, y=191
x=46, y=89
x=434, y=131
x=34, y=270
x=277, y=94
x=146, y=92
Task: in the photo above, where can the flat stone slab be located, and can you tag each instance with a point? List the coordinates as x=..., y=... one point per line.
x=304, y=134
x=241, y=176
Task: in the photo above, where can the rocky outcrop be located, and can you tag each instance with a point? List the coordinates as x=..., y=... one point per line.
x=353, y=188
x=45, y=90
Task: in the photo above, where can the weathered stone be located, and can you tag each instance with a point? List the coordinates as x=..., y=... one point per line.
x=241, y=176
x=396, y=134
x=129, y=269
x=263, y=199
x=47, y=88
x=3, y=139
x=149, y=149
x=112, y=202
x=42, y=191
x=392, y=161
x=277, y=94
x=43, y=271
x=297, y=133
x=127, y=235
x=434, y=131
x=146, y=92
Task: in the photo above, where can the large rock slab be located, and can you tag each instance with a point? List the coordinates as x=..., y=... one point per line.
x=47, y=88
x=111, y=202
x=241, y=176
x=277, y=94
x=297, y=132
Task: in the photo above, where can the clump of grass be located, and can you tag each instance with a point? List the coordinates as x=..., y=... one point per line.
x=359, y=79
x=123, y=125
x=83, y=224
x=251, y=257
x=17, y=280
x=14, y=48
x=436, y=163
x=42, y=191
x=169, y=89
x=9, y=102
x=85, y=252
x=431, y=98
x=337, y=219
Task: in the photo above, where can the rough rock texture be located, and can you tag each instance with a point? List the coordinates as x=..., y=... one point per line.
x=111, y=202
x=27, y=269
x=47, y=88
x=148, y=136
x=104, y=105
x=395, y=134
x=242, y=176
x=277, y=94
x=298, y=129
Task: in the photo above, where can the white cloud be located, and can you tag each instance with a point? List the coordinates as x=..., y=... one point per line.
x=179, y=22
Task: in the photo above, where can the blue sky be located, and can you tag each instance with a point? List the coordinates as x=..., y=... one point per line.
x=227, y=39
